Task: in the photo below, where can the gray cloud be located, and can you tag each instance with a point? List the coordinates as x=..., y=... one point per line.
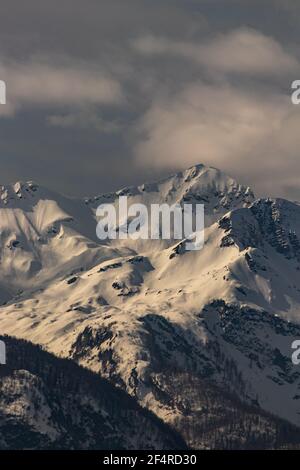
x=45, y=83
x=243, y=51
x=251, y=134
x=85, y=119
x=108, y=93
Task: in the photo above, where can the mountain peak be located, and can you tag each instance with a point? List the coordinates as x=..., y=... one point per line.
x=17, y=191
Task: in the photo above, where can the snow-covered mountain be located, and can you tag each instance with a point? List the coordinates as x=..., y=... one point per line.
x=133, y=310
x=44, y=235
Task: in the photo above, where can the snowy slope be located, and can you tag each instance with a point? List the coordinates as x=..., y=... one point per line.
x=133, y=309
x=43, y=236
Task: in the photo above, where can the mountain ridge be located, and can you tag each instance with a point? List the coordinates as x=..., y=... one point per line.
x=129, y=309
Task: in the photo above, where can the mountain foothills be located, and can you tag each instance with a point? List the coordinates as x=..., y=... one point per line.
x=47, y=402
x=201, y=339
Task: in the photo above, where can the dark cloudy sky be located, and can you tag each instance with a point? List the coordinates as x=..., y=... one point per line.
x=107, y=93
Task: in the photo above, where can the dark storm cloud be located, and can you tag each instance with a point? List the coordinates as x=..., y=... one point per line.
x=107, y=93
x=84, y=28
